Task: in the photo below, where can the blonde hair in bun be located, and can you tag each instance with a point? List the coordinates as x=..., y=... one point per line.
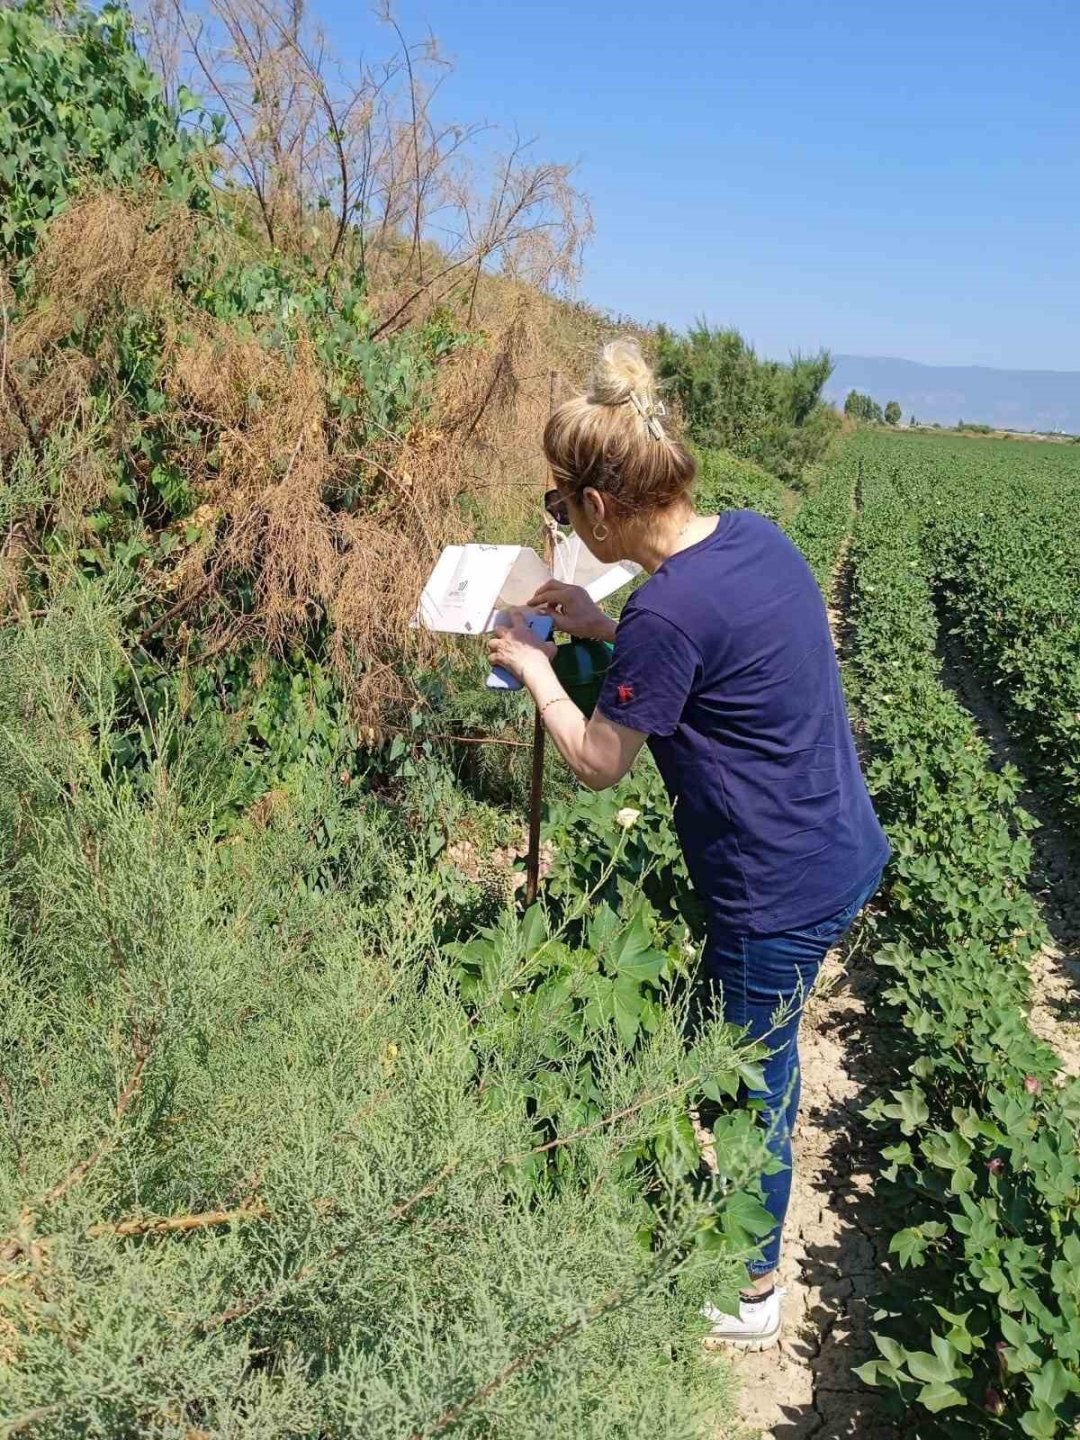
x=620, y=370
x=614, y=439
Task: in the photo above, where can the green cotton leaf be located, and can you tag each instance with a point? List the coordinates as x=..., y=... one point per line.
x=745, y=1219
x=959, y=1337
x=1040, y=1424
x=533, y=930
x=629, y=1003
x=910, y=1110
x=944, y=1364
x=475, y=953
x=602, y=928
x=751, y=1074
x=898, y=1154
x=939, y=1395
x=948, y=1150
x=892, y=1350
x=631, y=953
x=723, y=1082
x=1052, y=1384
x=870, y=1372
x=600, y=1005
x=1014, y=1332
x=962, y=1181
x=909, y=1246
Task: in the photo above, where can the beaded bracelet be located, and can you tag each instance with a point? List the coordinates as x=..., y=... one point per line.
x=553, y=701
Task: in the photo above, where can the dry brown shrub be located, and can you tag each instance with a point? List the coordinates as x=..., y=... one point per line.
x=495, y=399
x=273, y=464
x=46, y=403
x=388, y=553
x=108, y=251
x=266, y=414
x=266, y=807
x=352, y=161
x=105, y=254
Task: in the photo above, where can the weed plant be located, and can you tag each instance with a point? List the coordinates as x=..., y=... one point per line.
x=263, y=1170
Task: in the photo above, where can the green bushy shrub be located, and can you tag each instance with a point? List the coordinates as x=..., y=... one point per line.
x=759, y=410
x=79, y=104
x=726, y=482
x=273, y=1161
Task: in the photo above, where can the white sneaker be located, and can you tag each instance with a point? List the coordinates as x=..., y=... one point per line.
x=756, y=1327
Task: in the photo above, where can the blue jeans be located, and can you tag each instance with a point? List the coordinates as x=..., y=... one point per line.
x=758, y=975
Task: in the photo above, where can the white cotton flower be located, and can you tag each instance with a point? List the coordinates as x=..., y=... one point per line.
x=627, y=816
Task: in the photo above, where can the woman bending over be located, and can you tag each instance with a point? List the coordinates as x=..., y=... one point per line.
x=724, y=665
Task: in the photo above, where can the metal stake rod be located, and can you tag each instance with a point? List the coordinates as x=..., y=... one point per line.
x=536, y=786
x=532, y=859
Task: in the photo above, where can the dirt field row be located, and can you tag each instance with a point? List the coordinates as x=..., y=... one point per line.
x=833, y=1262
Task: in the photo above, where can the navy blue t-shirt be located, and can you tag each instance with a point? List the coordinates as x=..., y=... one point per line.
x=724, y=659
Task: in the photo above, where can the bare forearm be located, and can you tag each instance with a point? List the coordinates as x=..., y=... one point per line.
x=598, y=751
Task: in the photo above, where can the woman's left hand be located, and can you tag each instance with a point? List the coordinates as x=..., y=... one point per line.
x=517, y=649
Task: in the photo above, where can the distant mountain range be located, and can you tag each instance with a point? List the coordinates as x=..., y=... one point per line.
x=1043, y=400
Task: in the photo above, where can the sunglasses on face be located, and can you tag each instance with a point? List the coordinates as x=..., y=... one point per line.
x=556, y=506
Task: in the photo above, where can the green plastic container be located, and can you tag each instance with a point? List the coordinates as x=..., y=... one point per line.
x=581, y=666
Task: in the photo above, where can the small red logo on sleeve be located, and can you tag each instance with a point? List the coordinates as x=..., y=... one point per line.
x=625, y=693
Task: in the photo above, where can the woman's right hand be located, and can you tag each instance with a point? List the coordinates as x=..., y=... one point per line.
x=573, y=611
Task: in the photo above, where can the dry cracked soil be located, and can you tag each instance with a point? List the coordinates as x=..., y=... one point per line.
x=1055, y=876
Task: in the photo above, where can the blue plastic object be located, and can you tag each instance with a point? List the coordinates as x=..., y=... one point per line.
x=500, y=679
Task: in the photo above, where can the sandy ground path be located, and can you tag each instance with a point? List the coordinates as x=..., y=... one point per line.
x=1055, y=879
x=831, y=1263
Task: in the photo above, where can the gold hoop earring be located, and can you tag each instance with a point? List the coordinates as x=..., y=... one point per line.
x=596, y=532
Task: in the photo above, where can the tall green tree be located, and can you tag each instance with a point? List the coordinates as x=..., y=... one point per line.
x=863, y=408
x=892, y=413
x=761, y=410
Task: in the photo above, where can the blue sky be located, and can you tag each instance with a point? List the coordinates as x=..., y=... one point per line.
x=880, y=179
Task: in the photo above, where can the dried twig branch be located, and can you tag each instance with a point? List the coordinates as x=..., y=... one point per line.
x=30, y=1417
x=407, y=494
x=400, y=1211
x=468, y=739
x=337, y=1252
x=9, y=385
x=613, y=1300
x=144, y=1046
x=174, y=1224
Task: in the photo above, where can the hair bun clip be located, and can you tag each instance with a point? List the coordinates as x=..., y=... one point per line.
x=651, y=414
